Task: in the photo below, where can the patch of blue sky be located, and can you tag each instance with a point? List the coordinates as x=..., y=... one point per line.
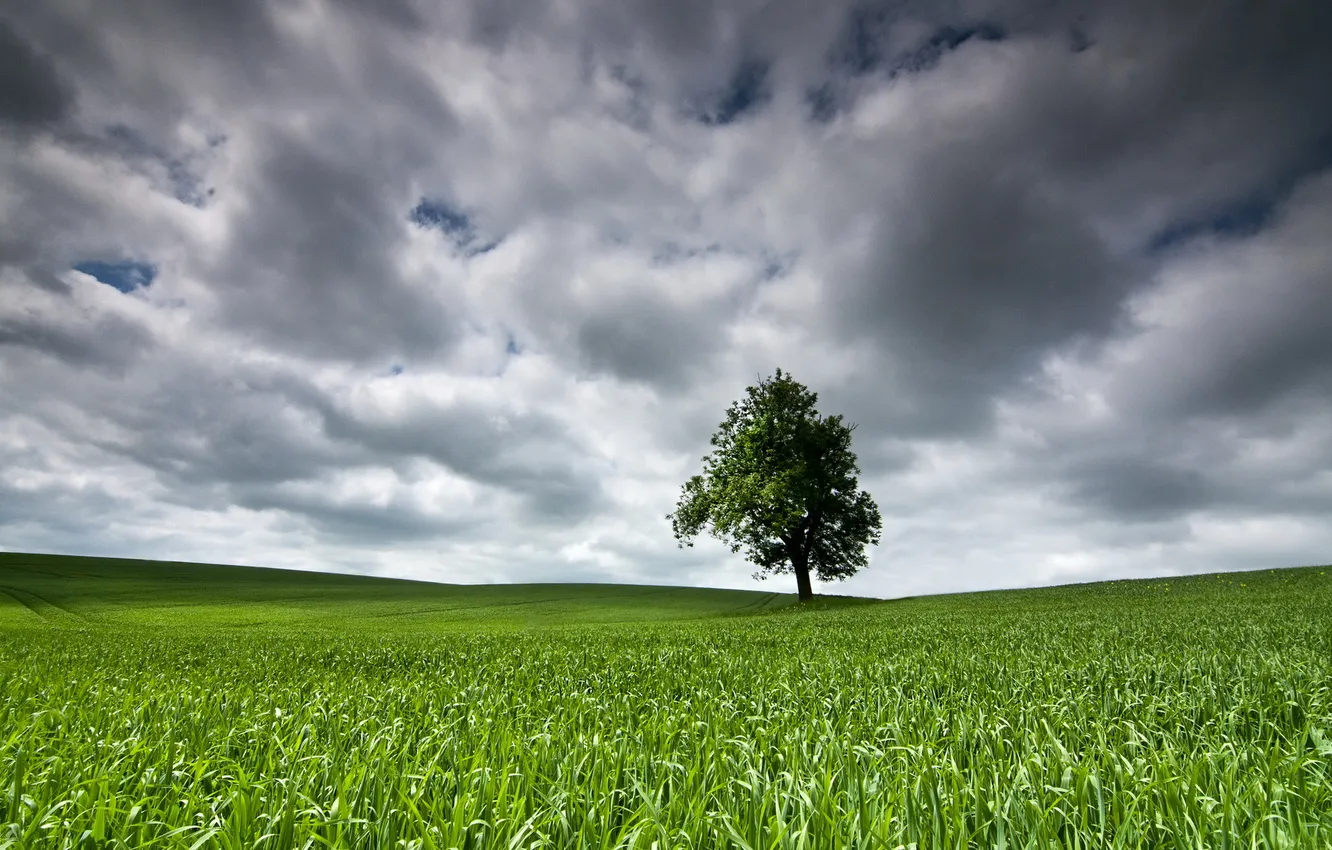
x=745, y=93
x=438, y=214
x=453, y=222
x=125, y=276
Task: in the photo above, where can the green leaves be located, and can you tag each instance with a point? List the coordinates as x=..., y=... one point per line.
x=780, y=485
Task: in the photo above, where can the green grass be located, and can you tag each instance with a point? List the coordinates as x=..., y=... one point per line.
x=119, y=592
x=181, y=705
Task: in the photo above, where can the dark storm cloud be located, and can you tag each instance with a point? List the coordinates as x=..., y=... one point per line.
x=1139, y=488
x=1139, y=471
x=195, y=429
x=61, y=509
x=974, y=279
x=361, y=522
x=648, y=340
x=401, y=14
x=274, y=430
x=41, y=278
x=140, y=54
x=271, y=441
x=701, y=57
x=584, y=299
x=1256, y=332
x=1218, y=399
x=868, y=45
x=254, y=431
x=174, y=416
x=32, y=92
x=1134, y=489
x=682, y=31
x=173, y=172
x=529, y=455
x=51, y=223
x=109, y=344
x=1027, y=225
x=869, y=41
x=1212, y=106
x=313, y=268
x=1294, y=360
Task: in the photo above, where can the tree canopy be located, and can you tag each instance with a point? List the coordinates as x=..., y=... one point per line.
x=781, y=486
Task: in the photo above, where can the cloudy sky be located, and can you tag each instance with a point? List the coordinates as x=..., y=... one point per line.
x=460, y=290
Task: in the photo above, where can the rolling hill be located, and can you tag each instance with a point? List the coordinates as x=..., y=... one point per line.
x=67, y=589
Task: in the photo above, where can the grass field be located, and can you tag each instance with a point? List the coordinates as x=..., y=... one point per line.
x=111, y=592
x=146, y=705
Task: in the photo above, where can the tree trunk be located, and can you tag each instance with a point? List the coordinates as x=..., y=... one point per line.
x=801, y=565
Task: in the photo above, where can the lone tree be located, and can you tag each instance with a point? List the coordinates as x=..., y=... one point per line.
x=781, y=484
